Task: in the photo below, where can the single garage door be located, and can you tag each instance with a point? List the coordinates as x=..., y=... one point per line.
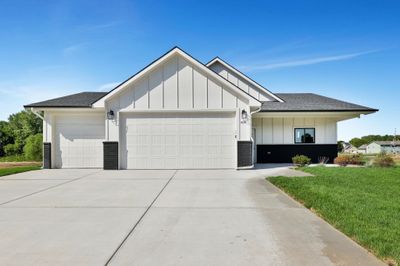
x=79, y=141
x=178, y=141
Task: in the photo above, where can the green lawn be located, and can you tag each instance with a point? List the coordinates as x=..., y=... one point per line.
x=363, y=203
x=16, y=170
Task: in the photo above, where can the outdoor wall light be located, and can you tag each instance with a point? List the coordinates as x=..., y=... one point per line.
x=110, y=115
x=245, y=116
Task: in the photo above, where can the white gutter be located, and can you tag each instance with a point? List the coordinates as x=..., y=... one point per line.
x=256, y=111
x=36, y=113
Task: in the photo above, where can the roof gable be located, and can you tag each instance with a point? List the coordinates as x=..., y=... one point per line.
x=243, y=81
x=165, y=59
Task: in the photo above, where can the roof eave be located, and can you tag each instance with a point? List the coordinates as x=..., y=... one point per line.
x=367, y=111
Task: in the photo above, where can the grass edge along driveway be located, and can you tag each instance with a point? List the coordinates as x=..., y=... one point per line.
x=363, y=203
x=16, y=170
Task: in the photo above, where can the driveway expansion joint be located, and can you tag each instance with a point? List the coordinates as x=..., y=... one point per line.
x=47, y=188
x=140, y=219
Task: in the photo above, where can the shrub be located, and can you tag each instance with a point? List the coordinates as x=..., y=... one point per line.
x=345, y=159
x=301, y=160
x=33, y=147
x=383, y=160
x=11, y=149
x=341, y=160
x=356, y=159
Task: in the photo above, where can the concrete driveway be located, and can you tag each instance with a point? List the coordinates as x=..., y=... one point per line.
x=185, y=217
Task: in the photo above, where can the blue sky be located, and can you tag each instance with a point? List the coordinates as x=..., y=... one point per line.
x=344, y=49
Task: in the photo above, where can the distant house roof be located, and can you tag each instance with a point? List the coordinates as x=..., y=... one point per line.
x=310, y=102
x=363, y=147
x=387, y=143
x=78, y=100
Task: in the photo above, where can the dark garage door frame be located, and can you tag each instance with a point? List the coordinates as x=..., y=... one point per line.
x=283, y=153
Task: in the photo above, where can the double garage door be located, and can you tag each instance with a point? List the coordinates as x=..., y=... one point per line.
x=177, y=140
x=149, y=141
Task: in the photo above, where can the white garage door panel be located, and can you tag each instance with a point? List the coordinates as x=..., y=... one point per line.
x=79, y=141
x=178, y=141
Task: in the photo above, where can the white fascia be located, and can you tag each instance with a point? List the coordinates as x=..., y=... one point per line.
x=222, y=62
x=340, y=116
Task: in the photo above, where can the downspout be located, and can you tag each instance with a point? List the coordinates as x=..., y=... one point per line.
x=252, y=140
x=251, y=135
x=36, y=113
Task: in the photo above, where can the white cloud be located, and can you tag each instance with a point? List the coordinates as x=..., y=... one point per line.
x=108, y=86
x=73, y=48
x=99, y=26
x=305, y=62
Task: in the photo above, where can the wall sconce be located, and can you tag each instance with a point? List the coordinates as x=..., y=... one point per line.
x=245, y=116
x=110, y=115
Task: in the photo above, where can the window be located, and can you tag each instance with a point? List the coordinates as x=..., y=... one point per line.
x=304, y=135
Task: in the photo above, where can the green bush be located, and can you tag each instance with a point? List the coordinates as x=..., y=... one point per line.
x=33, y=147
x=301, y=160
x=345, y=159
x=11, y=149
x=383, y=160
x=13, y=158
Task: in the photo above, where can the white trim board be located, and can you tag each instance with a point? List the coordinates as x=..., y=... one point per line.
x=234, y=70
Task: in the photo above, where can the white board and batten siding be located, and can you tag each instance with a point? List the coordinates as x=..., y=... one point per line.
x=280, y=130
x=177, y=85
x=259, y=94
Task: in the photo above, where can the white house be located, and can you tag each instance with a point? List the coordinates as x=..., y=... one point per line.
x=362, y=149
x=383, y=146
x=177, y=113
x=348, y=148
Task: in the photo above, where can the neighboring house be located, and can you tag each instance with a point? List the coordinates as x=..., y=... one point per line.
x=178, y=113
x=383, y=146
x=348, y=148
x=362, y=149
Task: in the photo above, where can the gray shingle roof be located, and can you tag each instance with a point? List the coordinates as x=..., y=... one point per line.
x=387, y=143
x=78, y=100
x=309, y=102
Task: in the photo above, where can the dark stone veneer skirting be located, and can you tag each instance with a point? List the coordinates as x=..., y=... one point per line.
x=110, y=154
x=245, y=153
x=284, y=153
x=46, y=155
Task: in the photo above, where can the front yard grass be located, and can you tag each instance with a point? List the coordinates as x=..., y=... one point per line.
x=363, y=203
x=16, y=170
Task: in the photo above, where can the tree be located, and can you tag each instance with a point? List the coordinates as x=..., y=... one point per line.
x=5, y=136
x=22, y=125
x=340, y=145
x=357, y=142
x=33, y=148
